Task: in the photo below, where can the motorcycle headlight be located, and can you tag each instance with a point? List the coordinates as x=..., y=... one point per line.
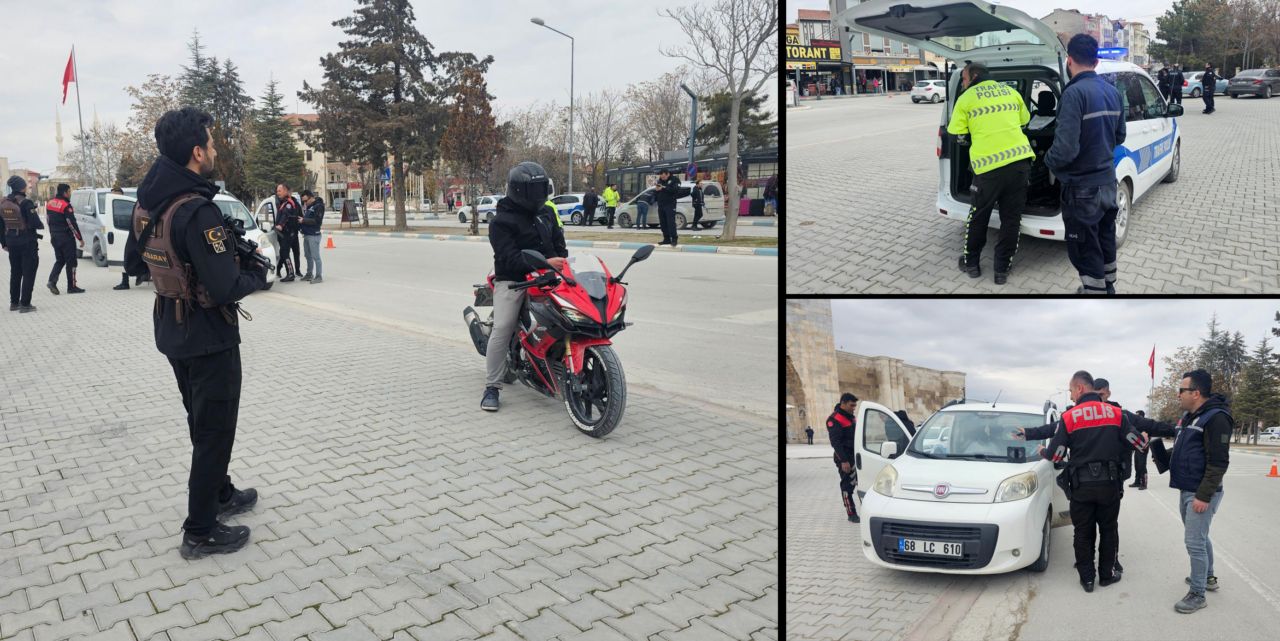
x=576, y=316
x=1017, y=487
x=885, y=481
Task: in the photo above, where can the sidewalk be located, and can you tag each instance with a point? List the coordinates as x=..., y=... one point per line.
x=702, y=249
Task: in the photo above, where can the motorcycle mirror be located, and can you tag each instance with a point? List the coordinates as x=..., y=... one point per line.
x=642, y=253
x=537, y=258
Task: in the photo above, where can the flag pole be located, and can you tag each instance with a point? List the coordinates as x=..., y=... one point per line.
x=84, y=141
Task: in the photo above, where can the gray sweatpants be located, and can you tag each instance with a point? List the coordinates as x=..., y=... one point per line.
x=312, y=250
x=506, y=311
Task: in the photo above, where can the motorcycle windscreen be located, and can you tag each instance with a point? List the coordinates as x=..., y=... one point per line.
x=588, y=270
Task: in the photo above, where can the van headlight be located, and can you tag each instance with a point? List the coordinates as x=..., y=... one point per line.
x=885, y=481
x=1017, y=487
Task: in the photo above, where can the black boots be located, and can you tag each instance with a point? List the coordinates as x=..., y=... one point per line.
x=222, y=540
x=241, y=501
x=974, y=271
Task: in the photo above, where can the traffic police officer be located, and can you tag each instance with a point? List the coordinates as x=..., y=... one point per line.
x=179, y=237
x=992, y=115
x=1090, y=125
x=1097, y=436
x=840, y=431
x=65, y=234
x=18, y=237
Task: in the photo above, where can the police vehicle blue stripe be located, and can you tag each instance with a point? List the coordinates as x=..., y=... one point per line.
x=1144, y=157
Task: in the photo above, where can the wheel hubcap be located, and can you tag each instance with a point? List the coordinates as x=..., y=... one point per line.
x=1122, y=216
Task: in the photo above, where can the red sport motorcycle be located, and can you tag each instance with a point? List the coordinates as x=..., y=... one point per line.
x=562, y=345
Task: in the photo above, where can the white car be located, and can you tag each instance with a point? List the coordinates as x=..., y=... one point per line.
x=1021, y=51
x=487, y=206
x=1270, y=434
x=104, y=219
x=712, y=210
x=965, y=497
x=929, y=91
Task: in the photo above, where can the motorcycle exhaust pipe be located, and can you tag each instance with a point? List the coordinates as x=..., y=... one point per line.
x=479, y=329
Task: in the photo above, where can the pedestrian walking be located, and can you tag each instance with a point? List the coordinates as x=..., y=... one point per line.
x=610, y=202
x=179, y=236
x=1090, y=125
x=64, y=234
x=696, y=199
x=991, y=115
x=1209, y=84
x=19, y=223
x=667, y=190
x=808, y=433
x=1197, y=465
x=312, y=218
x=589, y=203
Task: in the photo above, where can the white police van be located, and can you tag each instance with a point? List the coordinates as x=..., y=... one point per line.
x=1027, y=55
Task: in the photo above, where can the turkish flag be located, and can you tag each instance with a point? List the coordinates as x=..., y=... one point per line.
x=1152, y=363
x=69, y=75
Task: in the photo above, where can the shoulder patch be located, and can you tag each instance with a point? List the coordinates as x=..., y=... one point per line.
x=831, y=423
x=216, y=237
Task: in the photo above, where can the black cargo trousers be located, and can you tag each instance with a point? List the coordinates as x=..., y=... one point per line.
x=1004, y=186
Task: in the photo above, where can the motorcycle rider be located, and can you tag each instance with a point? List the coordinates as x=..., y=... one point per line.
x=522, y=221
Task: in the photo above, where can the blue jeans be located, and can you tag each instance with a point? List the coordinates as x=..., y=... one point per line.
x=642, y=212
x=1196, y=536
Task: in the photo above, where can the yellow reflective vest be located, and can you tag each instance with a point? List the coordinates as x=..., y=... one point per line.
x=610, y=197
x=555, y=214
x=993, y=115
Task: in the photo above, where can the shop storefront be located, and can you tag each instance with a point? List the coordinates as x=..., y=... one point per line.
x=816, y=68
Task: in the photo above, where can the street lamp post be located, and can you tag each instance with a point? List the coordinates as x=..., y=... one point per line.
x=541, y=23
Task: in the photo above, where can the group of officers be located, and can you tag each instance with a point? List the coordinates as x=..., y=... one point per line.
x=1099, y=445
x=20, y=225
x=989, y=117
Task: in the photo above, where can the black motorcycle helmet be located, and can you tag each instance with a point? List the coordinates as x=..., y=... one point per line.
x=528, y=185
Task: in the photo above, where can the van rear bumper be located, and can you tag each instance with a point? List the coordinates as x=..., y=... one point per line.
x=1049, y=227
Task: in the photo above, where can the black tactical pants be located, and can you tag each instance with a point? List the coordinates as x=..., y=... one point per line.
x=210, y=387
x=24, y=258
x=697, y=216
x=1095, y=508
x=1140, y=468
x=1006, y=186
x=848, y=484
x=1089, y=217
x=667, y=220
x=64, y=253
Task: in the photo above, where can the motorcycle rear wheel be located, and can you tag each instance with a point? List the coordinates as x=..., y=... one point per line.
x=598, y=409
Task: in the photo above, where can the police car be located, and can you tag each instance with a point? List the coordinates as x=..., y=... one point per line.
x=1027, y=55
x=959, y=496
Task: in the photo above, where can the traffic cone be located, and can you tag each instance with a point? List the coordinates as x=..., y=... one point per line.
x=329, y=245
x=1273, y=473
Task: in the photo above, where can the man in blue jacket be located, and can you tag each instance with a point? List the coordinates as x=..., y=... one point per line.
x=1090, y=125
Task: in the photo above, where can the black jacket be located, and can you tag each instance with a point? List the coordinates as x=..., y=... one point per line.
x=289, y=214
x=842, y=436
x=667, y=191
x=203, y=331
x=1217, y=440
x=514, y=229
x=1209, y=80
x=590, y=201
x=32, y=218
x=313, y=217
x=62, y=225
x=1093, y=431
x=1175, y=80
x=696, y=195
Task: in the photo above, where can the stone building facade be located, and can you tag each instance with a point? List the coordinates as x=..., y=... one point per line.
x=817, y=374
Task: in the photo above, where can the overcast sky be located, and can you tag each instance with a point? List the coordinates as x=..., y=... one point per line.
x=1144, y=11
x=1030, y=348
x=119, y=42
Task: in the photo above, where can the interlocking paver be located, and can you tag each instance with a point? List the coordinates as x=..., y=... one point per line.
x=389, y=520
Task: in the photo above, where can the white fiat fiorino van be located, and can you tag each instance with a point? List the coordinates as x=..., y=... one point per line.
x=965, y=497
x=1027, y=55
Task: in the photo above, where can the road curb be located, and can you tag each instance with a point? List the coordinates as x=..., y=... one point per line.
x=604, y=244
x=752, y=221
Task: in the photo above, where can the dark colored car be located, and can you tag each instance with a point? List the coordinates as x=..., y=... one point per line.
x=1263, y=83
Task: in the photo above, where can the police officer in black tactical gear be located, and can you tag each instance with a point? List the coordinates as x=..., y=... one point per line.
x=1098, y=438
x=667, y=190
x=18, y=224
x=178, y=235
x=841, y=426
x=65, y=234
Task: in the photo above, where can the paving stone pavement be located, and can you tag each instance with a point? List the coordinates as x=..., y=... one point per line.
x=865, y=220
x=833, y=592
x=390, y=506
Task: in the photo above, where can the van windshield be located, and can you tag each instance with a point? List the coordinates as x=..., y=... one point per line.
x=974, y=435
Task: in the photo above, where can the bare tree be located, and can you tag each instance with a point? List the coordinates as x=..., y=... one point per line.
x=656, y=112
x=109, y=145
x=471, y=140
x=739, y=40
x=599, y=119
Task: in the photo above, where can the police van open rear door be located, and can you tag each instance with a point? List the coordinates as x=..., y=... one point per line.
x=959, y=31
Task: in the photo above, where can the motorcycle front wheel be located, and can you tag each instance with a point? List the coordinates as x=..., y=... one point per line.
x=597, y=408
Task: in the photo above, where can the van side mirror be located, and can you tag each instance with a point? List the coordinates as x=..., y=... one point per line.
x=889, y=449
x=1174, y=110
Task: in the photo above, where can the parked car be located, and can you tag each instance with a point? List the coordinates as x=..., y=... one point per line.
x=712, y=210
x=929, y=91
x=1270, y=434
x=336, y=205
x=104, y=219
x=1262, y=83
x=1193, y=87
x=1019, y=51
x=979, y=502
x=486, y=205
